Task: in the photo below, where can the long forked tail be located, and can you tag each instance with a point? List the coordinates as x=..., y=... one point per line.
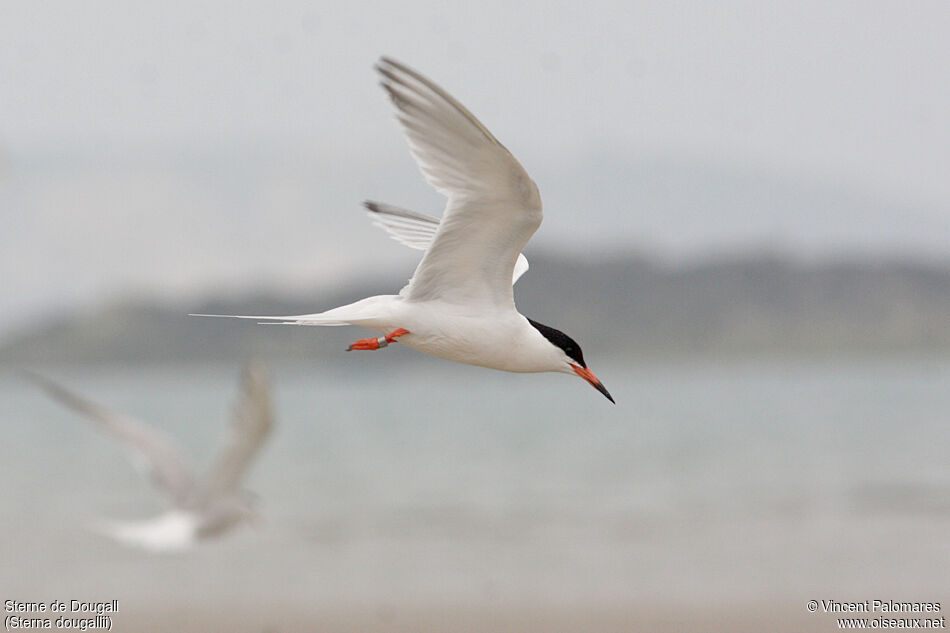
x=364, y=312
x=300, y=319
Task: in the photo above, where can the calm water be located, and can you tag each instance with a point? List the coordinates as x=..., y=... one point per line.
x=434, y=483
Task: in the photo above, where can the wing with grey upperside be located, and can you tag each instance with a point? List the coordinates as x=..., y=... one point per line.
x=252, y=423
x=151, y=449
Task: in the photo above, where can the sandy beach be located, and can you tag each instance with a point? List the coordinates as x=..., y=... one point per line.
x=479, y=619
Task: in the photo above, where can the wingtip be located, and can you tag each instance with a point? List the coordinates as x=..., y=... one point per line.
x=29, y=374
x=38, y=379
x=386, y=68
x=385, y=63
x=386, y=60
x=54, y=389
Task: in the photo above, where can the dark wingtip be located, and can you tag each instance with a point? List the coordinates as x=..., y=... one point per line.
x=37, y=379
x=371, y=206
x=384, y=61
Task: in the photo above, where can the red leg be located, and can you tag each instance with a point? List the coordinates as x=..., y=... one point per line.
x=376, y=343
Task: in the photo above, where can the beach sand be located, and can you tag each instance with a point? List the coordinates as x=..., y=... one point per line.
x=473, y=619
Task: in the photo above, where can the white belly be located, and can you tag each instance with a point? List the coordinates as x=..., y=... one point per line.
x=504, y=341
x=174, y=530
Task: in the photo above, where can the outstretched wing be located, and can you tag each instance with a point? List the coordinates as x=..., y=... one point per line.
x=417, y=230
x=493, y=205
x=252, y=423
x=151, y=449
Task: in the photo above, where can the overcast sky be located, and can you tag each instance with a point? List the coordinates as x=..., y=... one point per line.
x=120, y=121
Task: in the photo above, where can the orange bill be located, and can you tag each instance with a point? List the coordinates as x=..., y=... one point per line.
x=589, y=376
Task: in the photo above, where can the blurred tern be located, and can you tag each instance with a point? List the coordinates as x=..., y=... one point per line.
x=459, y=303
x=200, y=508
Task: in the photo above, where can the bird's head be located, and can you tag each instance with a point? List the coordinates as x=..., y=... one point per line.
x=571, y=358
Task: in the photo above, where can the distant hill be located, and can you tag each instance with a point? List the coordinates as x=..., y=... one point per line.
x=624, y=307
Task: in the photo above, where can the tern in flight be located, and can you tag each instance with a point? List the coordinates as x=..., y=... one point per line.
x=459, y=303
x=200, y=508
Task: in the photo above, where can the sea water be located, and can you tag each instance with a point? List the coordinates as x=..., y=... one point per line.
x=401, y=482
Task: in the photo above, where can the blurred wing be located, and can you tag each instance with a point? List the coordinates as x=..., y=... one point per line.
x=151, y=449
x=417, y=230
x=252, y=422
x=493, y=205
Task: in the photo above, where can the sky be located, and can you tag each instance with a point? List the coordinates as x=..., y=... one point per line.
x=180, y=147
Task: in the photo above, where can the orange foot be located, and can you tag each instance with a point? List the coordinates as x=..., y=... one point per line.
x=376, y=343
